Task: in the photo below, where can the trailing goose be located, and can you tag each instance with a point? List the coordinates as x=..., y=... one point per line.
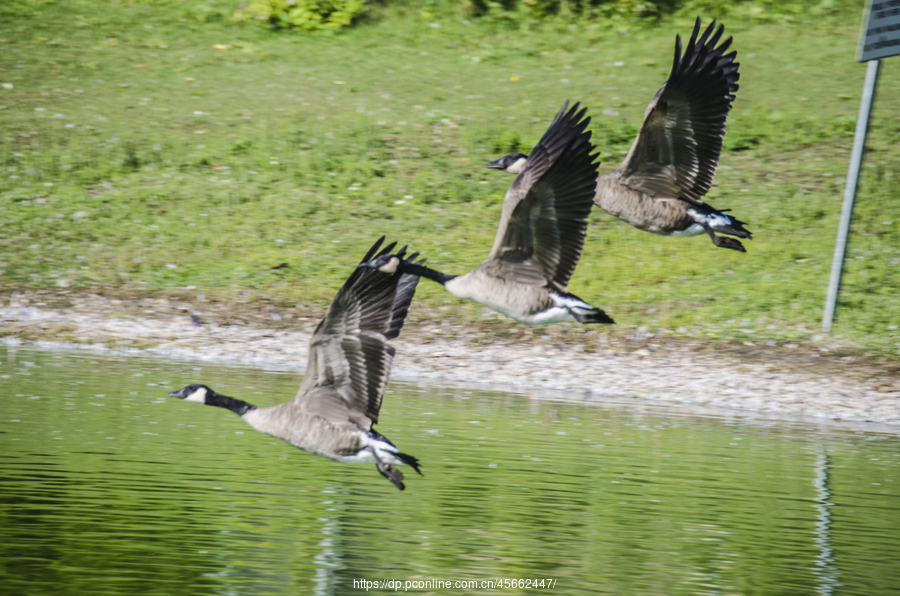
x=541, y=234
x=349, y=363
x=670, y=167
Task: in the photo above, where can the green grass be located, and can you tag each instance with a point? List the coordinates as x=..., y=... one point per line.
x=154, y=147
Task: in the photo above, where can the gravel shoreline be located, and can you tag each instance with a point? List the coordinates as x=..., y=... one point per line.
x=761, y=382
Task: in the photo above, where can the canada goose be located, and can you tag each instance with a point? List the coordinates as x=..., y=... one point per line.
x=349, y=363
x=670, y=166
x=542, y=230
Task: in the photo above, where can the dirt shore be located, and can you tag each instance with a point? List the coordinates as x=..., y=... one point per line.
x=782, y=381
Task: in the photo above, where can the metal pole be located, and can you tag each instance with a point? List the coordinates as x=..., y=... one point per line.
x=859, y=143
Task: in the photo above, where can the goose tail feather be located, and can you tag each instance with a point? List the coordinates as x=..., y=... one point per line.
x=581, y=311
x=595, y=317
x=410, y=461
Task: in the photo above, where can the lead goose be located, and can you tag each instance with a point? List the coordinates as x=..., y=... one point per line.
x=349, y=363
x=541, y=233
x=670, y=167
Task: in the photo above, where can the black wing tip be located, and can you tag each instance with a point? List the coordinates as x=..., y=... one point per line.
x=698, y=49
x=373, y=250
x=576, y=114
x=411, y=259
x=573, y=115
x=377, y=251
x=388, y=249
x=371, y=280
x=697, y=23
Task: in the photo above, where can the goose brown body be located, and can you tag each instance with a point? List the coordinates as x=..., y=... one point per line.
x=349, y=363
x=541, y=234
x=672, y=162
x=659, y=187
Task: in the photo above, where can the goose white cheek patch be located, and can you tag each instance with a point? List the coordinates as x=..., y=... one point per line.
x=199, y=396
x=390, y=266
x=518, y=166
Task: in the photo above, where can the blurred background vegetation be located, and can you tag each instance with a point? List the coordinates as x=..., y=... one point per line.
x=185, y=148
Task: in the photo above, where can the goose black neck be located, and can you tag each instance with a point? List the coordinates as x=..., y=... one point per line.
x=426, y=272
x=237, y=406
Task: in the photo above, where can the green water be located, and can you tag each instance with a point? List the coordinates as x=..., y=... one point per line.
x=107, y=486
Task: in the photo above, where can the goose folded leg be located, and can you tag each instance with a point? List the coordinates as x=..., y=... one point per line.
x=711, y=220
x=389, y=472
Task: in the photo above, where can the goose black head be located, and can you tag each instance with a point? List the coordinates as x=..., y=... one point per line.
x=196, y=393
x=511, y=162
x=384, y=263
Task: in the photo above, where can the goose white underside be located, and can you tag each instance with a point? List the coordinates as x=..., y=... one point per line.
x=694, y=230
x=561, y=312
x=385, y=451
x=713, y=220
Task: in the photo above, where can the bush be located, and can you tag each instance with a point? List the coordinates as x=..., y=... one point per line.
x=632, y=10
x=309, y=15
x=314, y=15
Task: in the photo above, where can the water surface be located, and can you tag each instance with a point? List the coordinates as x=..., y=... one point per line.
x=107, y=486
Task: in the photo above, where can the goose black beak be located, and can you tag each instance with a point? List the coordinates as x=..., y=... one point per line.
x=496, y=165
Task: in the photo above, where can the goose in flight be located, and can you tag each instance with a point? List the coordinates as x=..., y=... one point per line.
x=670, y=167
x=349, y=363
x=541, y=233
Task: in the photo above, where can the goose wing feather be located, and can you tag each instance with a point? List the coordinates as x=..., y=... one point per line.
x=406, y=289
x=677, y=149
x=544, y=219
x=349, y=354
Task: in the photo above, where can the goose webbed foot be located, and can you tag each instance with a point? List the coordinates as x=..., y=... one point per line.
x=389, y=472
x=392, y=474
x=725, y=241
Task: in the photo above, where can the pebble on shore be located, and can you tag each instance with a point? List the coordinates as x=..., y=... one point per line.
x=685, y=377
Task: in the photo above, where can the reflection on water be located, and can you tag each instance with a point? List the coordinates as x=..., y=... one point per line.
x=827, y=570
x=110, y=487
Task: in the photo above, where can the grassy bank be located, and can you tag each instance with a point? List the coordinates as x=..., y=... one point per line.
x=161, y=149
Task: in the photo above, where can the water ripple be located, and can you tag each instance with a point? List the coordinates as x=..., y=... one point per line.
x=110, y=488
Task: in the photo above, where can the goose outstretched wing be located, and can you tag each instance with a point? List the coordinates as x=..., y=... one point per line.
x=677, y=149
x=349, y=354
x=544, y=220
